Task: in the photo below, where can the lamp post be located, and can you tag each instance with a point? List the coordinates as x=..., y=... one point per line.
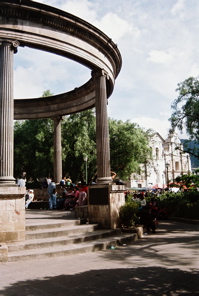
x=167, y=173
x=86, y=159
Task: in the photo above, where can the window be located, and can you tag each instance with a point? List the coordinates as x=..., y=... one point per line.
x=156, y=153
x=177, y=166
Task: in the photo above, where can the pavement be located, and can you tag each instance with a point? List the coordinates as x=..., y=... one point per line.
x=165, y=263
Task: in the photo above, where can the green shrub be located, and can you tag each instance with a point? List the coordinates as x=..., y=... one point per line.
x=182, y=204
x=128, y=214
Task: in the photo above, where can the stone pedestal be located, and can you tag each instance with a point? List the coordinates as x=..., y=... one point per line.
x=12, y=214
x=104, y=204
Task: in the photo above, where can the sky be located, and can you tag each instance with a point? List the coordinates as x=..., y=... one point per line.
x=159, y=44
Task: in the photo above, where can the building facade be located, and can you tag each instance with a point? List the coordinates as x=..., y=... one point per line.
x=167, y=162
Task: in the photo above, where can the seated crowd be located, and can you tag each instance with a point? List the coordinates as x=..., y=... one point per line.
x=69, y=197
x=73, y=196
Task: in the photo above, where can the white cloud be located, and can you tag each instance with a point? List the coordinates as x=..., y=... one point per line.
x=179, y=8
x=161, y=126
x=115, y=26
x=81, y=8
x=37, y=71
x=161, y=56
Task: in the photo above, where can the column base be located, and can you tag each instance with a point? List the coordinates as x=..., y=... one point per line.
x=6, y=181
x=104, y=180
x=12, y=214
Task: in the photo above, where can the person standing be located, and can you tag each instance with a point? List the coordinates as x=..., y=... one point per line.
x=21, y=182
x=51, y=194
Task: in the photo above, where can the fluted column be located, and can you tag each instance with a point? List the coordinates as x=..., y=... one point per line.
x=7, y=49
x=57, y=149
x=102, y=129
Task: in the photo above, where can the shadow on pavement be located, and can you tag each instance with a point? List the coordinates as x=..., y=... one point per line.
x=173, y=245
x=143, y=281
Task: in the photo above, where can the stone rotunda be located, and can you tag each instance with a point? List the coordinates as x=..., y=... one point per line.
x=38, y=26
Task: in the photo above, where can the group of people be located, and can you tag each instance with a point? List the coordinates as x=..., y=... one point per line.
x=72, y=195
x=149, y=213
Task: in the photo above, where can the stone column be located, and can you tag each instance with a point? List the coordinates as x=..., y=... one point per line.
x=102, y=129
x=12, y=200
x=57, y=149
x=7, y=48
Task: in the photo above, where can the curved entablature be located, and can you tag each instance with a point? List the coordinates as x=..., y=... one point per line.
x=46, y=28
x=79, y=99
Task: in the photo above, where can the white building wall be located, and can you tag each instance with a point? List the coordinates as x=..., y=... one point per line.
x=155, y=173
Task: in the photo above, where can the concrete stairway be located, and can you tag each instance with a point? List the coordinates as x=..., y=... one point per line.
x=62, y=238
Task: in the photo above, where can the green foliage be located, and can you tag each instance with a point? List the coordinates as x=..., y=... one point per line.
x=127, y=214
x=190, y=181
x=182, y=205
x=186, y=108
x=188, y=211
x=128, y=147
x=33, y=152
x=33, y=146
x=78, y=142
x=47, y=93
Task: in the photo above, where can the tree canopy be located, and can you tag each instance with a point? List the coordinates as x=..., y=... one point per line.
x=128, y=147
x=78, y=142
x=186, y=108
x=33, y=148
x=185, y=114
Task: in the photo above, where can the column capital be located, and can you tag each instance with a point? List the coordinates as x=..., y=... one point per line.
x=99, y=73
x=14, y=44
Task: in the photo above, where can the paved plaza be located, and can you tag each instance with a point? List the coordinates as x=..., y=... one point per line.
x=165, y=263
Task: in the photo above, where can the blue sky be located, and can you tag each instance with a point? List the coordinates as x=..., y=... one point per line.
x=159, y=44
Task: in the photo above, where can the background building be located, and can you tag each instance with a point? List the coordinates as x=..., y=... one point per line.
x=167, y=162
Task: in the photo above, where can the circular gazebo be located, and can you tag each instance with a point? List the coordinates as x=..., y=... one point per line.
x=30, y=24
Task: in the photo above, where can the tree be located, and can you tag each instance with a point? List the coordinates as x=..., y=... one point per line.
x=78, y=142
x=186, y=108
x=128, y=147
x=33, y=152
x=190, y=181
x=33, y=146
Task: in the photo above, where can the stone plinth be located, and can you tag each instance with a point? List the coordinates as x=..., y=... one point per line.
x=12, y=214
x=104, y=204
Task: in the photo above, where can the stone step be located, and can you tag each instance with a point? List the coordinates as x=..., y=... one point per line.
x=61, y=234
x=52, y=225
x=55, y=241
x=57, y=232
x=65, y=250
